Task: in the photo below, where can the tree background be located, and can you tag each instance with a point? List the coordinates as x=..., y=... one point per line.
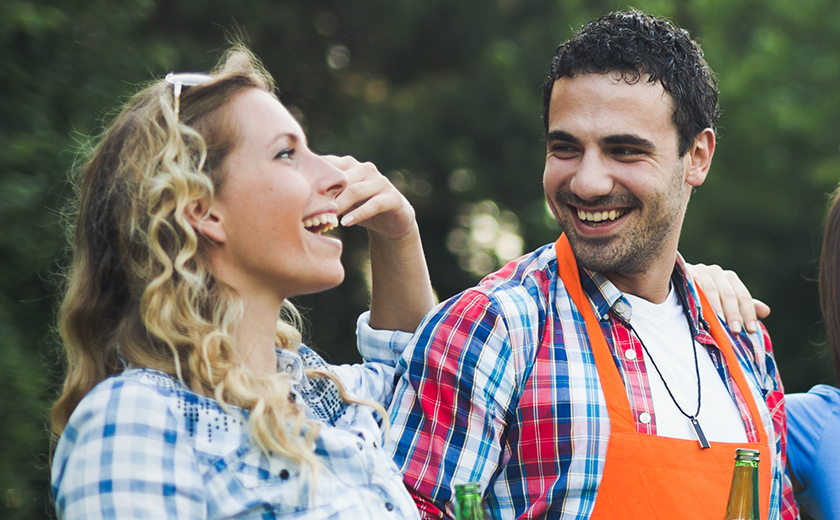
x=444, y=96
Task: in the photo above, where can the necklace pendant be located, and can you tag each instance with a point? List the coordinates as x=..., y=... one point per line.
x=704, y=444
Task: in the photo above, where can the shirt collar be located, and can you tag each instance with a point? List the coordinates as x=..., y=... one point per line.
x=606, y=297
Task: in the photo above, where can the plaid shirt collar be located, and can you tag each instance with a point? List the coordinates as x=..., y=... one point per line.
x=606, y=297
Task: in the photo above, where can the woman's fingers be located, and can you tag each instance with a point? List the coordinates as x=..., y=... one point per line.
x=729, y=297
x=370, y=200
x=762, y=310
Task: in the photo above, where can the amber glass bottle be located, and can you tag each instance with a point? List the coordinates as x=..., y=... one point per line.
x=743, y=495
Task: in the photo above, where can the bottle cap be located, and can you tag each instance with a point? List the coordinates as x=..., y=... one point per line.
x=746, y=454
x=468, y=487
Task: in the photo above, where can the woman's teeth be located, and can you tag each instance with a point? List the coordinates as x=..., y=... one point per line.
x=599, y=216
x=321, y=223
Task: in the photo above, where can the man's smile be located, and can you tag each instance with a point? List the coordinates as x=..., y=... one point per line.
x=597, y=217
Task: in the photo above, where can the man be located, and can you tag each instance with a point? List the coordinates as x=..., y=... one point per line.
x=586, y=379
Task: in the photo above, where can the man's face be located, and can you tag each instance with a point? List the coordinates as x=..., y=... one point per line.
x=613, y=176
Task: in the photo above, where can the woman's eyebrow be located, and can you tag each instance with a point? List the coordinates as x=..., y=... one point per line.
x=291, y=136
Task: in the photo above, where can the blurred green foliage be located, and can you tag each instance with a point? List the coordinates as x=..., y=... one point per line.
x=445, y=98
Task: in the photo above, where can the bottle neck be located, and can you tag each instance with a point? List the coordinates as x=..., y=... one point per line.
x=468, y=504
x=743, y=495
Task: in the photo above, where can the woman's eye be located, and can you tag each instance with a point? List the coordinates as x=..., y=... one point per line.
x=285, y=154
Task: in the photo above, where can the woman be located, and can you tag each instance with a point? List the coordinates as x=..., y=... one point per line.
x=188, y=393
x=813, y=418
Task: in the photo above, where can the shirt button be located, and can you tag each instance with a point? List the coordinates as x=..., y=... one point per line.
x=620, y=307
x=644, y=418
x=284, y=474
x=630, y=354
x=389, y=506
x=359, y=445
x=290, y=368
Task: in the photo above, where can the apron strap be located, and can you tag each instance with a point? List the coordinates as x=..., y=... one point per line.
x=723, y=342
x=621, y=418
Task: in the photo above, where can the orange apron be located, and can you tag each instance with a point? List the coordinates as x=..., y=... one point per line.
x=651, y=477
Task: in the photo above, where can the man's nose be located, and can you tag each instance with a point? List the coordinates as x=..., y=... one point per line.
x=593, y=177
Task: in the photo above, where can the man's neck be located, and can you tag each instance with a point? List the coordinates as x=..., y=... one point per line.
x=652, y=284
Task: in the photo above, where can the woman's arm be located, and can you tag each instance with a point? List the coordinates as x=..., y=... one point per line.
x=401, y=292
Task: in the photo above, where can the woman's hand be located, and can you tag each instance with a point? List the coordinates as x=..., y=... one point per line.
x=371, y=201
x=729, y=296
x=401, y=291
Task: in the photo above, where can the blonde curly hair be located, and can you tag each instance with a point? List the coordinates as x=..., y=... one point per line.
x=139, y=290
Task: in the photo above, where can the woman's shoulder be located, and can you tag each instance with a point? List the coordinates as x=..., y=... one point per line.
x=144, y=402
x=813, y=450
x=126, y=441
x=133, y=388
x=148, y=412
x=136, y=397
x=830, y=395
x=809, y=416
x=815, y=405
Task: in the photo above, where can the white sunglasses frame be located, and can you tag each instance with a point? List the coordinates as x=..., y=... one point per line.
x=179, y=80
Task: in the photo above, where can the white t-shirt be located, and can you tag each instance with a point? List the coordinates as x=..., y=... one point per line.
x=664, y=330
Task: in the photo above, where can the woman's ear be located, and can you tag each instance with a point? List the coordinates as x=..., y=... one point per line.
x=206, y=220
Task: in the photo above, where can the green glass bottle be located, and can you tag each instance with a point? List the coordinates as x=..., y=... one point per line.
x=743, y=495
x=468, y=502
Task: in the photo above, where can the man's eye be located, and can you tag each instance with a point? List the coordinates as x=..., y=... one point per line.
x=626, y=152
x=561, y=149
x=286, y=153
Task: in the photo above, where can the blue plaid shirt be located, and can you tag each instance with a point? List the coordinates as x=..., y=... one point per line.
x=141, y=445
x=499, y=386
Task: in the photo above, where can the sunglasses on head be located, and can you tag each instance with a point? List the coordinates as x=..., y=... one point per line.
x=183, y=80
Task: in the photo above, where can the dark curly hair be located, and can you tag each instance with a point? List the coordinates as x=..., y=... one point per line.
x=641, y=47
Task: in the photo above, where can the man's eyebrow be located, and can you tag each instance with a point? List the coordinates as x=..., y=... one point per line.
x=560, y=135
x=628, y=139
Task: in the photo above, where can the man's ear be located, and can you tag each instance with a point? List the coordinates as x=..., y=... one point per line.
x=700, y=157
x=206, y=220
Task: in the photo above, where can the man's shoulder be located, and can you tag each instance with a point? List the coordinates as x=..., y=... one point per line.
x=534, y=269
x=522, y=287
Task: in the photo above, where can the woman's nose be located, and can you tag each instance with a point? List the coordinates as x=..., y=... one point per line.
x=329, y=179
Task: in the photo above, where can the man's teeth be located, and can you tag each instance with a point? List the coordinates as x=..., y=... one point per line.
x=599, y=216
x=321, y=223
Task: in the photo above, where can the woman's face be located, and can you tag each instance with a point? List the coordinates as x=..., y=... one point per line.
x=276, y=198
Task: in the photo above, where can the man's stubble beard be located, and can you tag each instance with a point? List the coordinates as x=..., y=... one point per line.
x=635, y=249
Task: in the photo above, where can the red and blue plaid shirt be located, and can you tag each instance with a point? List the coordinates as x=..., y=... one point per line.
x=500, y=386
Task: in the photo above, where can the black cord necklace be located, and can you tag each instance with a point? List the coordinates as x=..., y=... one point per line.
x=704, y=443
